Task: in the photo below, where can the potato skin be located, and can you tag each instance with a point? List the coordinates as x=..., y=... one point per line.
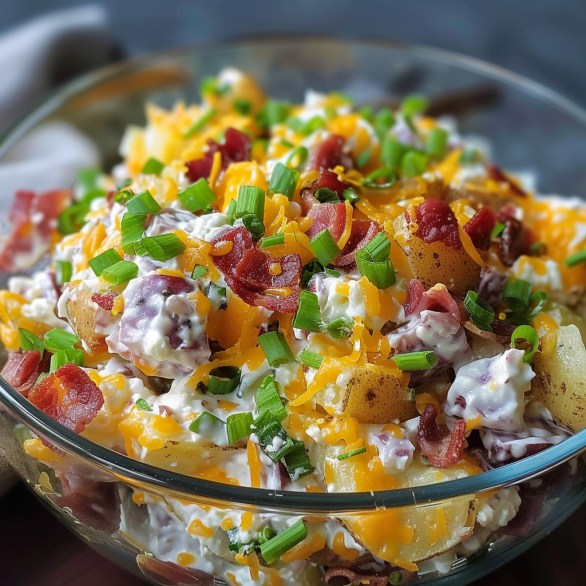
x=82, y=314
x=434, y=262
x=369, y=397
x=559, y=381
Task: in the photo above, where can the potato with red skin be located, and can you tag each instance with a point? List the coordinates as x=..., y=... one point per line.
x=82, y=315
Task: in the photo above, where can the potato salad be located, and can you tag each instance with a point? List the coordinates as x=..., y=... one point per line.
x=315, y=297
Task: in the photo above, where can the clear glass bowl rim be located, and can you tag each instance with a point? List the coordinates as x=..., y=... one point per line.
x=287, y=502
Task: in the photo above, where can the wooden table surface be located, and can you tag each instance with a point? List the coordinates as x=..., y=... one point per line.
x=36, y=550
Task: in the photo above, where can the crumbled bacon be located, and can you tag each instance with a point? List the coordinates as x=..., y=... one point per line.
x=328, y=180
x=511, y=241
x=491, y=287
x=480, y=227
x=105, y=300
x=442, y=448
x=247, y=272
x=327, y=215
x=345, y=576
x=497, y=175
x=437, y=298
x=436, y=222
x=234, y=149
x=23, y=368
x=362, y=232
x=327, y=154
x=69, y=396
x=33, y=220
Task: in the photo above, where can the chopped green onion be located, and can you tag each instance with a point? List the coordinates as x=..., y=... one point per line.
x=351, y=453
x=132, y=228
x=383, y=122
x=324, y=247
x=253, y=225
x=392, y=152
x=267, y=399
x=414, y=104
x=209, y=85
x=363, y=158
x=480, y=311
x=385, y=173
x=143, y=203
x=516, y=294
x=367, y=114
x=415, y=360
x=103, y=261
x=217, y=295
x=538, y=298
x=274, y=240
x=87, y=179
x=161, y=247
x=298, y=156
x=413, y=164
x=395, y=577
x=153, y=167
x=412, y=395
x=274, y=548
x=381, y=274
x=497, y=230
x=332, y=273
x=242, y=106
x=311, y=359
x=330, y=112
x=276, y=112
x=65, y=356
x=121, y=272
x=437, y=140
x=308, y=316
x=123, y=196
x=57, y=339
x=142, y=405
x=297, y=462
x=538, y=249
x=470, y=156
x=325, y=195
x=251, y=200
x=378, y=249
x=276, y=349
x=283, y=180
x=351, y=195
x=308, y=127
x=528, y=334
x=340, y=328
x=198, y=271
x=63, y=272
x=272, y=437
x=197, y=196
x=29, y=342
x=286, y=143
x=223, y=380
x=206, y=419
x=238, y=426
x=200, y=123
x=313, y=267
x=575, y=259
x=73, y=217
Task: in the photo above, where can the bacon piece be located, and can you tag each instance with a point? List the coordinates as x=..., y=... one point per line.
x=415, y=292
x=327, y=154
x=69, y=396
x=512, y=240
x=497, y=175
x=327, y=215
x=491, y=287
x=241, y=242
x=33, y=219
x=442, y=448
x=23, y=368
x=363, y=231
x=234, y=149
x=327, y=180
x=105, y=300
x=436, y=222
x=480, y=227
x=437, y=298
x=345, y=576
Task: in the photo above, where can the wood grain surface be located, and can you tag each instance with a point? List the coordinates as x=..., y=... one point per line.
x=36, y=550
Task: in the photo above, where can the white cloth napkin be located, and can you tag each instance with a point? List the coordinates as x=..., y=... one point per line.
x=34, y=58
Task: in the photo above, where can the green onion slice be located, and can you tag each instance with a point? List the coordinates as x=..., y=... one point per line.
x=385, y=173
x=29, y=342
x=481, y=313
x=161, y=247
x=414, y=104
x=380, y=274
x=437, y=141
x=132, y=228
x=142, y=405
x=204, y=419
x=528, y=334
x=143, y=203
x=340, y=328
x=470, y=155
x=253, y=225
x=153, y=167
x=363, y=158
x=272, y=436
x=413, y=164
x=297, y=157
x=366, y=113
x=197, y=196
x=276, y=349
x=313, y=267
x=324, y=247
x=104, y=261
x=325, y=195
x=378, y=249
x=274, y=240
x=200, y=123
x=311, y=359
x=308, y=316
x=57, y=339
x=538, y=249
x=395, y=577
x=392, y=152
x=415, y=360
x=516, y=294
x=575, y=259
x=238, y=426
x=63, y=272
x=332, y=273
x=297, y=462
x=224, y=380
x=496, y=232
x=351, y=453
x=242, y=106
x=65, y=356
x=251, y=200
x=267, y=399
x=274, y=548
x=198, y=271
x=276, y=112
x=284, y=181
x=536, y=301
x=121, y=272
x=383, y=122
x=351, y=195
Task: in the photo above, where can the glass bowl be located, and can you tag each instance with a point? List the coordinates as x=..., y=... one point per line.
x=100, y=494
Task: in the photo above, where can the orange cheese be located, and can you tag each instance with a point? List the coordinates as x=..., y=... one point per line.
x=304, y=549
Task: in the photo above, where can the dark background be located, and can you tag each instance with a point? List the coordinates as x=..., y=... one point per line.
x=542, y=39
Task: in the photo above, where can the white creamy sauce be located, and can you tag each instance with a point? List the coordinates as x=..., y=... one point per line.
x=550, y=279
x=333, y=300
x=395, y=453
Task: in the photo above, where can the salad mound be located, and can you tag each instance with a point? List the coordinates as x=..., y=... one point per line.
x=312, y=297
